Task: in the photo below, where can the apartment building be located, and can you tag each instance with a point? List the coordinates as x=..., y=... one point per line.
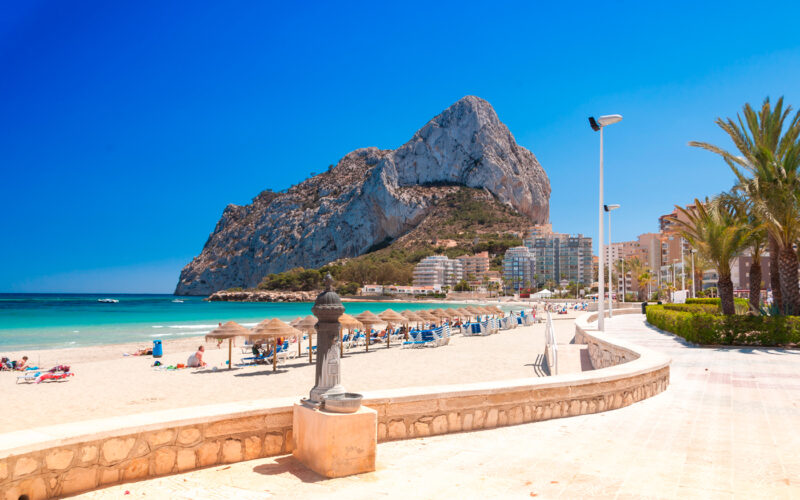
x=474, y=267
x=519, y=268
x=438, y=271
x=559, y=256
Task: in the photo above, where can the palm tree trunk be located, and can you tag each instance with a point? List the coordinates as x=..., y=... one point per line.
x=755, y=286
x=725, y=287
x=790, y=292
x=774, y=274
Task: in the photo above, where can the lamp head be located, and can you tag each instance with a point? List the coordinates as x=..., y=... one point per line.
x=609, y=208
x=604, y=120
x=609, y=119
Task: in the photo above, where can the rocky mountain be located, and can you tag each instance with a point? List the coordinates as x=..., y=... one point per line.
x=370, y=198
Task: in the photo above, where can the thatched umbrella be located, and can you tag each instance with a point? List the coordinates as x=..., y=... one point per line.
x=273, y=329
x=412, y=316
x=228, y=331
x=307, y=325
x=440, y=313
x=428, y=316
x=391, y=317
x=294, y=323
x=349, y=322
x=464, y=313
x=368, y=319
x=497, y=310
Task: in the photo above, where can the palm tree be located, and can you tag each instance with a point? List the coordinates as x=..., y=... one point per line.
x=638, y=273
x=719, y=236
x=767, y=171
x=742, y=208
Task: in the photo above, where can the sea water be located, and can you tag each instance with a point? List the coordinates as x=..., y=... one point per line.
x=45, y=321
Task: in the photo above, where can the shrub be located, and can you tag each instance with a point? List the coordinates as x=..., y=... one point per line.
x=348, y=288
x=694, y=308
x=742, y=305
x=715, y=329
x=703, y=301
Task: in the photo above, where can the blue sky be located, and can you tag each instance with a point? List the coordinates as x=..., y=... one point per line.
x=126, y=129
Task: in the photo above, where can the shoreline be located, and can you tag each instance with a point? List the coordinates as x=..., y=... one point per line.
x=105, y=335
x=106, y=383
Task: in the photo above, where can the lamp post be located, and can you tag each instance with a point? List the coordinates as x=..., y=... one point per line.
x=683, y=273
x=609, y=208
x=694, y=286
x=598, y=125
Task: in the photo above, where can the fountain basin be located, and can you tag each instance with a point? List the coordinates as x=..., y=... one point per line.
x=348, y=402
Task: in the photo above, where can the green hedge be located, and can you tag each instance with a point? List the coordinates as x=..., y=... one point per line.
x=703, y=301
x=742, y=305
x=715, y=329
x=694, y=308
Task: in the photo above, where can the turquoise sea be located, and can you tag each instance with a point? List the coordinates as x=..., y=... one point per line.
x=44, y=321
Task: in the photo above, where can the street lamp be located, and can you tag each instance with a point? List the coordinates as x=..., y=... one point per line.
x=609, y=208
x=683, y=274
x=598, y=125
x=694, y=287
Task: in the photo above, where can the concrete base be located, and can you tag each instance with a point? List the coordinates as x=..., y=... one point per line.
x=335, y=444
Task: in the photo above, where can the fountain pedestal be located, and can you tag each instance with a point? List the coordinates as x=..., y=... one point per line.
x=343, y=440
x=335, y=444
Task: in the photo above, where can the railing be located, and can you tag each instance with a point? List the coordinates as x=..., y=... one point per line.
x=551, y=346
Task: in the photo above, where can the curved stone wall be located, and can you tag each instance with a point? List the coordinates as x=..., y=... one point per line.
x=70, y=458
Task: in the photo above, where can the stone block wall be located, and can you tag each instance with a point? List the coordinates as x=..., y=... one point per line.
x=86, y=465
x=432, y=416
x=603, y=353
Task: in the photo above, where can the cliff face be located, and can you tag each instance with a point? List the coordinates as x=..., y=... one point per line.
x=371, y=196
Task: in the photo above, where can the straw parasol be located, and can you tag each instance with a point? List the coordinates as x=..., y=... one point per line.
x=412, y=316
x=228, y=331
x=368, y=319
x=441, y=313
x=474, y=310
x=391, y=318
x=273, y=329
x=349, y=322
x=464, y=312
x=428, y=316
x=307, y=325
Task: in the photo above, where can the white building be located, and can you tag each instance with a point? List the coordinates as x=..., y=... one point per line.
x=438, y=271
x=372, y=289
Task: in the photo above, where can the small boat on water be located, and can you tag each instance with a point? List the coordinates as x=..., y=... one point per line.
x=108, y=301
x=178, y=301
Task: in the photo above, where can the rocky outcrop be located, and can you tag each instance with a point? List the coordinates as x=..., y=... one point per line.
x=370, y=197
x=261, y=296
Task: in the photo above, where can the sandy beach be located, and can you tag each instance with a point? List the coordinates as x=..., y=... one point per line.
x=106, y=383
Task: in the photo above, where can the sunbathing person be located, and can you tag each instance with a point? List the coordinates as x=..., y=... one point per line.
x=21, y=364
x=196, y=359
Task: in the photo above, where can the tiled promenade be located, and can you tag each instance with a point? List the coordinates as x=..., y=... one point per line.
x=728, y=426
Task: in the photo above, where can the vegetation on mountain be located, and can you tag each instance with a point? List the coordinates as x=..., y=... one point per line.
x=464, y=221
